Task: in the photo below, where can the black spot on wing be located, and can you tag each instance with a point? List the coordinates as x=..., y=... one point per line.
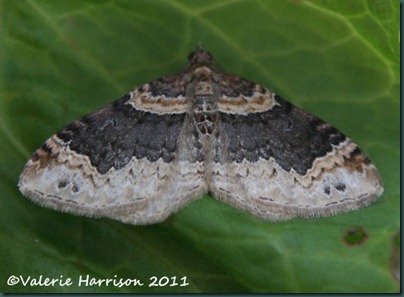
x=340, y=187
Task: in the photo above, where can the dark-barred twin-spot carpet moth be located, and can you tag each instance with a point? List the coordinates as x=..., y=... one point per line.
x=179, y=137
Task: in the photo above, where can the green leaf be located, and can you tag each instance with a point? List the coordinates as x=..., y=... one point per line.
x=336, y=59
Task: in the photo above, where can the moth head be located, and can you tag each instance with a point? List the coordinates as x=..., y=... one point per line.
x=199, y=58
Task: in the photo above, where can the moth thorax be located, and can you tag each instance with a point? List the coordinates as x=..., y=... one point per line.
x=205, y=122
x=203, y=88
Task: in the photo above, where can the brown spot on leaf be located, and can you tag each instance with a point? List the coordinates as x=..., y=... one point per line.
x=394, y=260
x=355, y=236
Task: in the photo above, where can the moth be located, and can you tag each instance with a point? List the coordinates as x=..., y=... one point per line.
x=182, y=136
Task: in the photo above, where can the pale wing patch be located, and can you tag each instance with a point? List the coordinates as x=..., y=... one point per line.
x=143, y=99
x=333, y=185
x=142, y=192
x=261, y=100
